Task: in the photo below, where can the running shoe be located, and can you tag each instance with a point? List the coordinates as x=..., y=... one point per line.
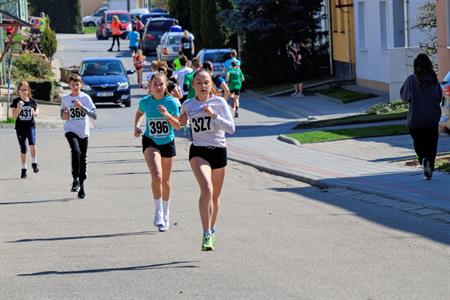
x=110, y=50
x=35, y=167
x=75, y=186
x=213, y=236
x=81, y=193
x=158, y=219
x=300, y=95
x=236, y=114
x=294, y=94
x=427, y=171
x=23, y=173
x=207, y=243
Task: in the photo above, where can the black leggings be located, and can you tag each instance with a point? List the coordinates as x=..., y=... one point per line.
x=425, y=143
x=78, y=148
x=114, y=38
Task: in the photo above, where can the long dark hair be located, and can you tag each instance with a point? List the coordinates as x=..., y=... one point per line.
x=423, y=67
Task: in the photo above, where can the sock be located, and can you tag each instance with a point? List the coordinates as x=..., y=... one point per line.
x=166, y=205
x=24, y=166
x=34, y=160
x=207, y=232
x=158, y=205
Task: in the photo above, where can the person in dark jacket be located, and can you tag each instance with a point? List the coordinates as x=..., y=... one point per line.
x=424, y=94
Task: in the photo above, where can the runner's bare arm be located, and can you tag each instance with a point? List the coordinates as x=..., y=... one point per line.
x=137, y=123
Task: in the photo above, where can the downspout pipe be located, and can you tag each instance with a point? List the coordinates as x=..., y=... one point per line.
x=406, y=14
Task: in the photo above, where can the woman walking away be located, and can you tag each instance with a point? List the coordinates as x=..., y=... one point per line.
x=76, y=108
x=158, y=143
x=139, y=61
x=116, y=32
x=24, y=110
x=210, y=119
x=424, y=94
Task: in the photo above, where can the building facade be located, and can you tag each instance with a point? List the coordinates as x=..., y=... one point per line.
x=443, y=37
x=386, y=42
x=89, y=6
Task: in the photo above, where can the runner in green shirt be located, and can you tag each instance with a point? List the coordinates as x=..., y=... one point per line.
x=235, y=77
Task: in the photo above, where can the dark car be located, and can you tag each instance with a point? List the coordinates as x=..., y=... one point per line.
x=104, y=25
x=106, y=80
x=445, y=119
x=147, y=17
x=154, y=29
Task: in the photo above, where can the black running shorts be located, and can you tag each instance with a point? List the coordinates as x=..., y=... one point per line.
x=166, y=150
x=215, y=156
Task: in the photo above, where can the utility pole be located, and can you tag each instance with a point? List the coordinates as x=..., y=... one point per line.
x=128, y=5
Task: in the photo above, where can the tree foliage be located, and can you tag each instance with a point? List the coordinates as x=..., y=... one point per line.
x=427, y=22
x=49, y=43
x=179, y=9
x=267, y=26
x=65, y=15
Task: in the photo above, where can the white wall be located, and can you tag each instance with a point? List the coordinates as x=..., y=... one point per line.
x=373, y=62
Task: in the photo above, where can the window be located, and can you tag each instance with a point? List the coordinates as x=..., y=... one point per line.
x=398, y=11
x=361, y=26
x=384, y=25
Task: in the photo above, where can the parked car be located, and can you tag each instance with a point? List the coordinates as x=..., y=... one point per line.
x=104, y=25
x=138, y=12
x=168, y=48
x=106, y=80
x=94, y=18
x=445, y=119
x=154, y=29
x=146, y=17
x=216, y=56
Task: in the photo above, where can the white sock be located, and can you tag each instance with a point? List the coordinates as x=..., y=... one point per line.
x=24, y=166
x=158, y=205
x=166, y=205
x=34, y=160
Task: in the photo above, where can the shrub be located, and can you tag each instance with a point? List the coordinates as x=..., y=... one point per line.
x=391, y=107
x=30, y=66
x=49, y=42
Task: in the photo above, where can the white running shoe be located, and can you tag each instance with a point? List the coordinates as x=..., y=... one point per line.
x=166, y=225
x=300, y=95
x=158, y=220
x=294, y=94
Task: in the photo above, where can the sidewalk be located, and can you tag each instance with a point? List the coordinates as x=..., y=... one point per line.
x=359, y=165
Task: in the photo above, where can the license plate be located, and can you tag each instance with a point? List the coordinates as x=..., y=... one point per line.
x=105, y=94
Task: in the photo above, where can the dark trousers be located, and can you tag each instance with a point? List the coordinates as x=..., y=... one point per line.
x=78, y=147
x=114, y=38
x=425, y=143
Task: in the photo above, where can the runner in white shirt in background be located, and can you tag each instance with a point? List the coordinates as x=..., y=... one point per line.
x=210, y=119
x=179, y=75
x=76, y=108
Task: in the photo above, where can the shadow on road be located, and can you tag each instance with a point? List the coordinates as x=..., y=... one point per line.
x=169, y=265
x=38, y=201
x=117, y=161
x=386, y=214
x=100, y=236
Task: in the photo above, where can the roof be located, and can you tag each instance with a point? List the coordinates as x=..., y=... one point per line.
x=109, y=12
x=101, y=59
x=8, y=17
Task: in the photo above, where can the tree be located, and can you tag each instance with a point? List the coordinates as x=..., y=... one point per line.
x=195, y=15
x=267, y=26
x=211, y=30
x=49, y=43
x=65, y=15
x=179, y=9
x=427, y=23
x=160, y=4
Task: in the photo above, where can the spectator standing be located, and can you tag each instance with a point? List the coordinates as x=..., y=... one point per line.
x=293, y=51
x=187, y=45
x=424, y=94
x=116, y=32
x=175, y=27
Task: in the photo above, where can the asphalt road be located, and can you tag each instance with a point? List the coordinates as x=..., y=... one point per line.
x=277, y=238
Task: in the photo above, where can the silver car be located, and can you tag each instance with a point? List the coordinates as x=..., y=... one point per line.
x=170, y=44
x=216, y=56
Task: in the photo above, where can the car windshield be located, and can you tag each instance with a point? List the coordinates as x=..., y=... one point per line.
x=217, y=57
x=94, y=68
x=173, y=39
x=122, y=17
x=161, y=26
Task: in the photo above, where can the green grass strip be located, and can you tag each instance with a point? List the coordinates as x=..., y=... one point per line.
x=348, y=133
x=361, y=119
x=89, y=30
x=346, y=96
x=8, y=121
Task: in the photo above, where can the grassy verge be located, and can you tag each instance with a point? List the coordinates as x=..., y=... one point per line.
x=371, y=118
x=8, y=121
x=89, y=30
x=346, y=96
x=349, y=133
x=267, y=90
x=443, y=164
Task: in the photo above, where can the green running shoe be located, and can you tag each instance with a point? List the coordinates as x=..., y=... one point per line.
x=213, y=237
x=207, y=244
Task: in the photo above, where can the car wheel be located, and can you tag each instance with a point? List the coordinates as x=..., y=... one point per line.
x=97, y=35
x=90, y=24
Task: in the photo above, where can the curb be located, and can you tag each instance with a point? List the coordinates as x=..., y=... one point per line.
x=321, y=185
